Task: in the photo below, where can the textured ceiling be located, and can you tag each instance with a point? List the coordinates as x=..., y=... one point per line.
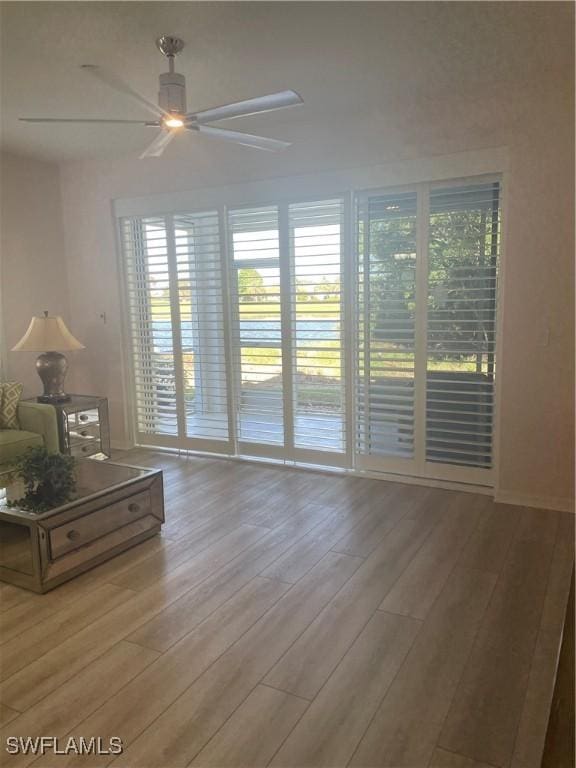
x=352, y=62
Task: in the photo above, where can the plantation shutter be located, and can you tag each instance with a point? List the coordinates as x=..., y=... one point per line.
x=244, y=322
x=199, y=280
x=150, y=324
x=257, y=340
x=461, y=341
x=175, y=309
x=315, y=236
x=386, y=325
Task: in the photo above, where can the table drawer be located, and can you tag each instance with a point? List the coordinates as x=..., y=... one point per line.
x=101, y=549
x=80, y=448
x=81, y=431
x=90, y=416
x=82, y=530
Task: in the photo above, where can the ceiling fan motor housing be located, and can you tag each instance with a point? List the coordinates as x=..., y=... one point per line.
x=172, y=93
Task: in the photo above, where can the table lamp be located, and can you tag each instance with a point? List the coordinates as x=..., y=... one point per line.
x=47, y=334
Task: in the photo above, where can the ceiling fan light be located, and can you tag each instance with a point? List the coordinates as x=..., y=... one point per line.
x=173, y=122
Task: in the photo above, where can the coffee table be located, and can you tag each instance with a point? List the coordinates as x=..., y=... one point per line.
x=114, y=507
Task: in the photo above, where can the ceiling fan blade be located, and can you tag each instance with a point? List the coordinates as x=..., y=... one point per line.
x=82, y=120
x=113, y=81
x=248, y=107
x=247, y=139
x=158, y=145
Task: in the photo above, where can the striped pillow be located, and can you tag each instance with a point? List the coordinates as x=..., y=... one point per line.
x=10, y=393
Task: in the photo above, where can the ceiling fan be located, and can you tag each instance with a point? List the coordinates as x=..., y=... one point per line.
x=170, y=112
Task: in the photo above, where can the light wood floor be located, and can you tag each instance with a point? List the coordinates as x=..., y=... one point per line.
x=291, y=618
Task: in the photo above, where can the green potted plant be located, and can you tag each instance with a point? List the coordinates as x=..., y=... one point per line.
x=48, y=478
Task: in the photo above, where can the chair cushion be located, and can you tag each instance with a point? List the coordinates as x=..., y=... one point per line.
x=10, y=393
x=13, y=442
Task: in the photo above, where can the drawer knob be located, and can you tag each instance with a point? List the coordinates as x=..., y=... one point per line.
x=73, y=535
x=133, y=507
x=84, y=432
x=84, y=448
x=83, y=417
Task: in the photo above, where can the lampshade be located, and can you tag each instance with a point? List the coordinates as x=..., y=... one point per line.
x=47, y=334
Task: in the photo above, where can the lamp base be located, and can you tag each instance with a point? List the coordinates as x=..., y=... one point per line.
x=51, y=400
x=52, y=368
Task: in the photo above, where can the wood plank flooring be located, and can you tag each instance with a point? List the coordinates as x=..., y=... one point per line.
x=295, y=619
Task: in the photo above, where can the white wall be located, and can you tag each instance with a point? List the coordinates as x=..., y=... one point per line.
x=32, y=262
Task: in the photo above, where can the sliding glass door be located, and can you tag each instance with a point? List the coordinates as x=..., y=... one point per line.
x=426, y=325
x=385, y=397
x=201, y=326
x=463, y=245
x=316, y=317
x=173, y=274
x=260, y=330
x=257, y=330
x=287, y=330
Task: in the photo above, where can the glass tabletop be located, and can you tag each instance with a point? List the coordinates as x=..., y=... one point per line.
x=92, y=477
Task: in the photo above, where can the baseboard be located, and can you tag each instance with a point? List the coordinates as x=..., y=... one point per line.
x=555, y=503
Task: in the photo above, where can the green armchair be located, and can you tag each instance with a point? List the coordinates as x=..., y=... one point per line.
x=38, y=427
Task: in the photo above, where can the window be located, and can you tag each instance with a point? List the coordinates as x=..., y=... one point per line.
x=244, y=323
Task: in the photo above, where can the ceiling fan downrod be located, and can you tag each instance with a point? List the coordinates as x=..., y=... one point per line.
x=172, y=88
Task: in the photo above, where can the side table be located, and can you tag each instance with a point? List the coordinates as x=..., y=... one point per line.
x=83, y=427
